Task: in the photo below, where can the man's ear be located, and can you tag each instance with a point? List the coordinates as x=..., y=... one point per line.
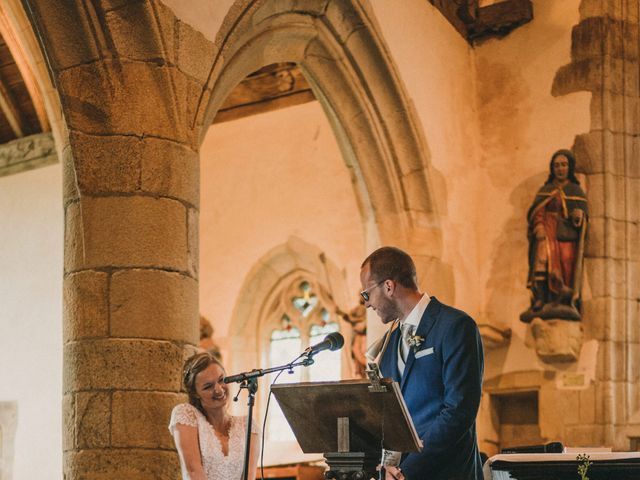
x=389, y=287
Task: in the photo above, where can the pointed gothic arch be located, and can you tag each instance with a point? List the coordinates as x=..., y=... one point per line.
x=338, y=47
x=277, y=269
x=265, y=295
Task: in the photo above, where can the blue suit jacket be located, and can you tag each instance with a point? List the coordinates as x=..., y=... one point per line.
x=442, y=390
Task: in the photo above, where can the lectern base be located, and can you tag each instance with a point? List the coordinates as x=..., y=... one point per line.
x=351, y=466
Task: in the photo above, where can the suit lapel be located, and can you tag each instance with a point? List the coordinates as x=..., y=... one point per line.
x=427, y=322
x=390, y=357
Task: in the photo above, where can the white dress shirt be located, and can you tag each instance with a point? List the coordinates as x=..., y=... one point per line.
x=413, y=319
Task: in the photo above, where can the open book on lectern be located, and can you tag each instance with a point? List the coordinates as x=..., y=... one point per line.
x=377, y=419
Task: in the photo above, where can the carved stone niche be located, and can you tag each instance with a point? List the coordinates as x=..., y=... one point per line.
x=27, y=153
x=557, y=341
x=494, y=337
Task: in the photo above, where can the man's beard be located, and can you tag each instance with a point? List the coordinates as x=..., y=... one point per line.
x=388, y=312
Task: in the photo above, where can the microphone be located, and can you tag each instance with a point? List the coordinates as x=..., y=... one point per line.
x=333, y=341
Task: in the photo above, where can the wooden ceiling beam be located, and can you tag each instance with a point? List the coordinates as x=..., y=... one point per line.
x=20, y=57
x=477, y=21
x=245, y=110
x=11, y=111
x=270, y=88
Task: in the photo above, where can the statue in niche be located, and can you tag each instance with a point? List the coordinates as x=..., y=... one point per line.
x=557, y=226
x=357, y=318
x=206, y=341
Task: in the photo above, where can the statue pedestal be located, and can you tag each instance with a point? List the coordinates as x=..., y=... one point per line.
x=494, y=337
x=557, y=340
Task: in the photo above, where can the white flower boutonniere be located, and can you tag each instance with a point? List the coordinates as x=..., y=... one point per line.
x=415, y=341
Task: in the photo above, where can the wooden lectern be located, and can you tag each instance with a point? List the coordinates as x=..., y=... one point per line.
x=350, y=422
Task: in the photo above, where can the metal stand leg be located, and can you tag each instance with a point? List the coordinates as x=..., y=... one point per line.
x=252, y=387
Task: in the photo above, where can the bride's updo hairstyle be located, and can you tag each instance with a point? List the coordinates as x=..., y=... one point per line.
x=192, y=367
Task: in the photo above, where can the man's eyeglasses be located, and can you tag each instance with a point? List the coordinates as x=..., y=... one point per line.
x=365, y=293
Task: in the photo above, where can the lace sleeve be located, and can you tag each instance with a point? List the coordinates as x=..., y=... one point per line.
x=242, y=421
x=183, y=414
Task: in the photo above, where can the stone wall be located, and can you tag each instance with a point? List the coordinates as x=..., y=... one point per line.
x=604, y=61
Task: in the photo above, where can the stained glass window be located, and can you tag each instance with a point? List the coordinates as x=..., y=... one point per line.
x=306, y=302
x=328, y=367
x=304, y=320
x=285, y=345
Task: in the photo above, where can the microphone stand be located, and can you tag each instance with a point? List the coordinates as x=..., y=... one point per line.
x=249, y=380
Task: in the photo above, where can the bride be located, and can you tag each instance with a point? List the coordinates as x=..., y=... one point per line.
x=210, y=442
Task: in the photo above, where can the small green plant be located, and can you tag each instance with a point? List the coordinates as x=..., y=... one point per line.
x=583, y=466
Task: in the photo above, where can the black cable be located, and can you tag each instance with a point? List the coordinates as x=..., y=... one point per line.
x=266, y=411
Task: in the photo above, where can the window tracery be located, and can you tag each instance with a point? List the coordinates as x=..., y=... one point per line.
x=300, y=315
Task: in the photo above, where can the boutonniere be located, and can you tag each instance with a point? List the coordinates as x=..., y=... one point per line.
x=415, y=341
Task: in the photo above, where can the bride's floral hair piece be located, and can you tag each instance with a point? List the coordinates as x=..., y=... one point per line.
x=192, y=367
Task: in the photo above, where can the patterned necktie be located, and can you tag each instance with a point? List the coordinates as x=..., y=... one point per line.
x=406, y=332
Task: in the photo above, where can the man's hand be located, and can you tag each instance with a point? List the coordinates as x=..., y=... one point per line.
x=394, y=473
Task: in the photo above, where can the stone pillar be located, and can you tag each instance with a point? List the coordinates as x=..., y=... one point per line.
x=130, y=305
x=605, y=62
x=129, y=75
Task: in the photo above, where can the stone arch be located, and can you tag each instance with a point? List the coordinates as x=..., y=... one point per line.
x=337, y=46
x=293, y=259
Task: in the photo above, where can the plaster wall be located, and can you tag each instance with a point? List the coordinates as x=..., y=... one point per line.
x=520, y=125
x=264, y=179
x=437, y=68
x=31, y=242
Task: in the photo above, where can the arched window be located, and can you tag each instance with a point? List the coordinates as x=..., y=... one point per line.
x=300, y=316
x=285, y=343
x=330, y=367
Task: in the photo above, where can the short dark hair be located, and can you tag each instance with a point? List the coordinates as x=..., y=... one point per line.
x=192, y=367
x=393, y=264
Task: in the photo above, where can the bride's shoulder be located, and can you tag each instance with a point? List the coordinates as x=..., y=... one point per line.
x=184, y=414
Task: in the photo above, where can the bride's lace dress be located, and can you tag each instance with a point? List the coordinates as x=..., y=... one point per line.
x=216, y=465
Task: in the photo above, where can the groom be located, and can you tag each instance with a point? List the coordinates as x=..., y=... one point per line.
x=436, y=356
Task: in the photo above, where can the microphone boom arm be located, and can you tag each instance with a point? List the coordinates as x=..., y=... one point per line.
x=333, y=341
x=306, y=360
